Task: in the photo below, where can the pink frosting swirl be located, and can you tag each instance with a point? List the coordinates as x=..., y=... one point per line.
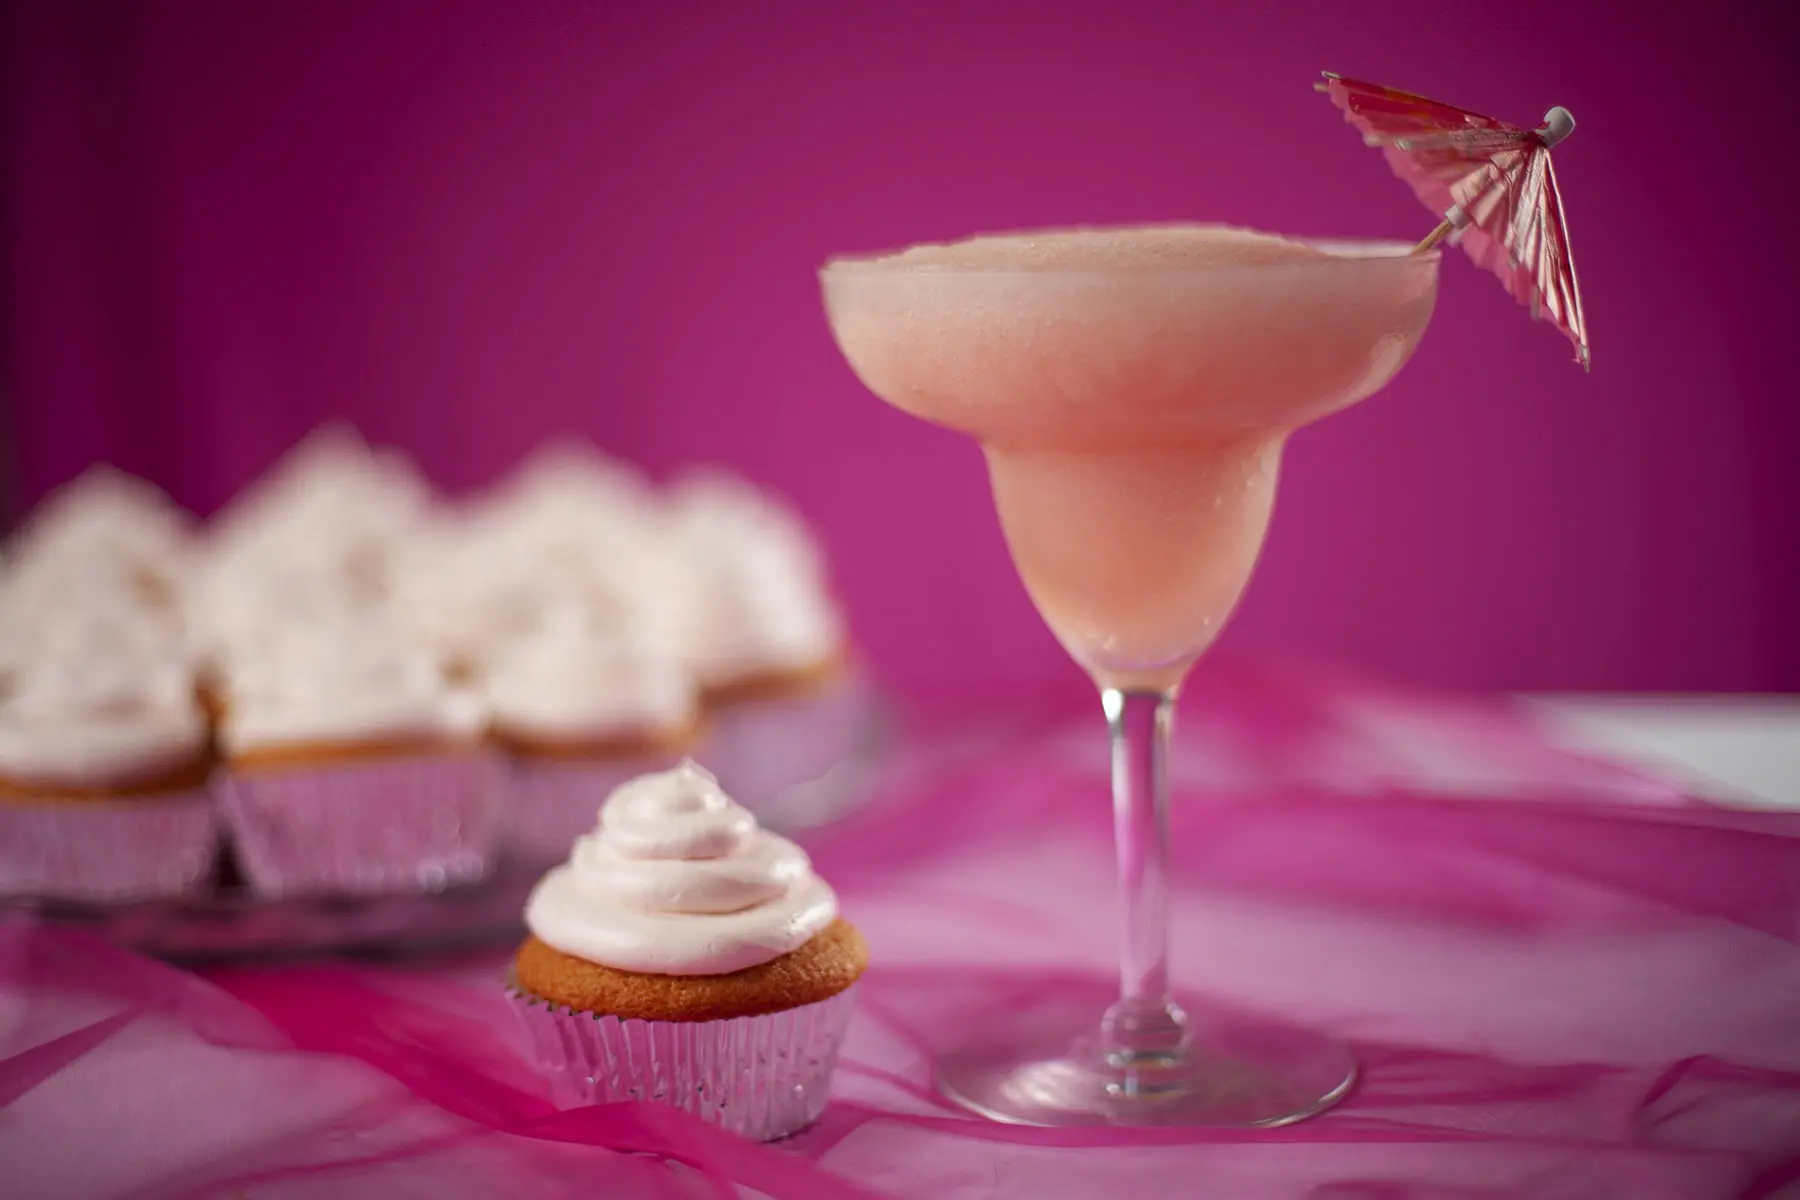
x=679, y=880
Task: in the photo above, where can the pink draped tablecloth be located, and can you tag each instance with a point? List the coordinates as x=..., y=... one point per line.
x=1563, y=980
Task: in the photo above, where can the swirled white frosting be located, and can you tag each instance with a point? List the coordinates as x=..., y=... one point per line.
x=98, y=720
x=679, y=880
x=571, y=529
x=302, y=558
x=86, y=626
x=243, y=618
x=766, y=605
x=349, y=681
x=472, y=598
x=573, y=678
x=332, y=483
x=103, y=514
x=330, y=515
x=568, y=476
x=98, y=562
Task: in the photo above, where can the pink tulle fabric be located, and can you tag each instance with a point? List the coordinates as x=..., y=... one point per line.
x=1563, y=981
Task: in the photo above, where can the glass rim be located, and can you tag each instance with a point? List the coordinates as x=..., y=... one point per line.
x=1341, y=253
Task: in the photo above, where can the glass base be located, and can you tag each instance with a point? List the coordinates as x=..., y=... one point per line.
x=1239, y=1072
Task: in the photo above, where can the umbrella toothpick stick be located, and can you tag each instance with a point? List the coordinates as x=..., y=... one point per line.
x=1558, y=124
x=1445, y=228
x=1491, y=182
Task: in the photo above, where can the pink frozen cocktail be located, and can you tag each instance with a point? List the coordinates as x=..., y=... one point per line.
x=1133, y=389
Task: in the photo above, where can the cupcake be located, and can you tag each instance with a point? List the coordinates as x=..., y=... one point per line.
x=313, y=541
x=104, y=760
x=578, y=710
x=104, y=752
x=767, y=643
x=105, y=534
x=334, y=500
x=562, y=531
x=107, y=555
x=353, y=766
x=568, y=475
x=682, y=955
x=767, y=625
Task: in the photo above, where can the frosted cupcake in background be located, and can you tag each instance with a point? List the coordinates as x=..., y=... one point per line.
x=74, y=624
x=487, y=569
x=767, y=641
x=104, y=762
x=311, y=543
x=548, y=594
x=579, y=709
x=467, y=593
x=107, y=528
x=317, y=535
x=104, y=752
x=344, y=630
x=332, y=504
x=352, y=764
x=685, y=956
x=768, y=624
x=442, y=592
x=105, y=547
x=568, y=476
x=557, y=521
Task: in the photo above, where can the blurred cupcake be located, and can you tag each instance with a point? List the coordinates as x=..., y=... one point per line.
x=104, y=753
x=487, y=570
x=353, y=765
x=104, y=760
x=332, y=500
x=684, y=956
x=579, y=710
x=767, y=641
x=322, y=529
x=104, y=546
x=768, y=624
x=568, y=475
x=439, y=592
x=313, y=542
x=104, y=505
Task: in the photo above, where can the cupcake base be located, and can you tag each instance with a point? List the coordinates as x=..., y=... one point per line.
x=752, y=1051
x=826, y=965
x=107, y=851
x=364, y=827
x=762, y=1077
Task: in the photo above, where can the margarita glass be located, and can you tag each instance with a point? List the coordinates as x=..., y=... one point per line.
x=1133, y=389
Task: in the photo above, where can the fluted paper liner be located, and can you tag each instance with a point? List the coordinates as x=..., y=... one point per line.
x=365, y=828
x=107, y=851
x=762, y=1077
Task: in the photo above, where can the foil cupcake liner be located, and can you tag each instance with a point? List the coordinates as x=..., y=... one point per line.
x=107, y=851
x=365, y=828
x=761, y=1077
x=768, y=753
x=551, y=803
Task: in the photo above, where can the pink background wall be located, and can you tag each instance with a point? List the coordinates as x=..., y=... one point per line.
x=468, y=225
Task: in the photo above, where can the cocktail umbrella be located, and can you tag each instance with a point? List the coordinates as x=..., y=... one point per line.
x=1492, y=182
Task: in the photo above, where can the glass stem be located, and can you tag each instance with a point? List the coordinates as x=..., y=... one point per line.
x=1145, y=1027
